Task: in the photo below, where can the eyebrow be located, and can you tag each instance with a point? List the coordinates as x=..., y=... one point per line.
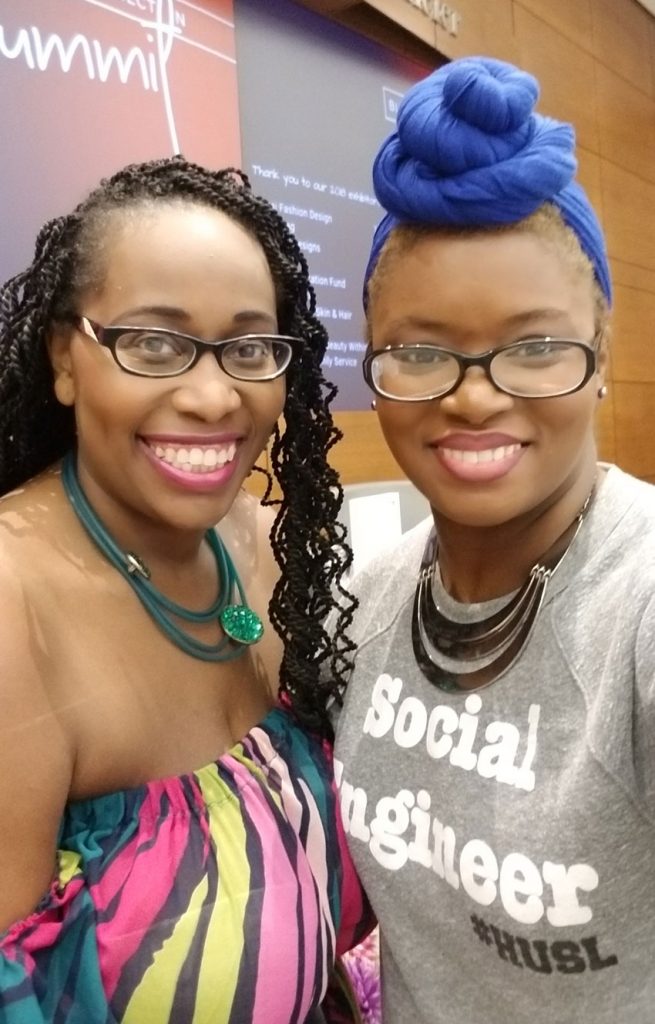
x=254, y=314
x=174, y=312
x=535, y=315
x=523, y=318
x=183, y=315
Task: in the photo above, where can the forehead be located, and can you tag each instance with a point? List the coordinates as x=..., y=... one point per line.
x=480, y=278
x=171, y=250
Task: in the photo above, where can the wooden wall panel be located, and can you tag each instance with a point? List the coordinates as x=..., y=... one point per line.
x=565, y=72
x=634, y=415
x=650, y=35
x=632, y=275
x=569, y=18
x=487, y=28
x=627, y=127
x=362, y=454
x=590, y=178
x=622, y=41
x=633, y=335
x=409, y=18
x=628, y=215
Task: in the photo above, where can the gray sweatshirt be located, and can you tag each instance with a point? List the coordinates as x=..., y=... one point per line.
x=507, y=837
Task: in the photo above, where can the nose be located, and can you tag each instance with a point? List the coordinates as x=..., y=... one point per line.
x=476, y=399
x=206, y=392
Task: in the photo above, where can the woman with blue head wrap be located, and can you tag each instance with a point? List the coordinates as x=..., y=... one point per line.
x=495, y=747
x=469, y=151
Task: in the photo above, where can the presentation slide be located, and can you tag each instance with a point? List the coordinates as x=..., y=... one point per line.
x=316, y=101
x=298, y=101
x=90, y=85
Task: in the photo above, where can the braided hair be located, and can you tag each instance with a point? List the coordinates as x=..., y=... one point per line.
x=36, y=430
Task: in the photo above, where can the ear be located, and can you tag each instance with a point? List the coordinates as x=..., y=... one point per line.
x=603, y=357
x=59, y=344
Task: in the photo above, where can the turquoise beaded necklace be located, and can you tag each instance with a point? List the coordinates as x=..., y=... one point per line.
x=240, y=624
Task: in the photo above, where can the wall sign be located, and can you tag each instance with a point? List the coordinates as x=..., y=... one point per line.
x=443, y=15
x=91, y=85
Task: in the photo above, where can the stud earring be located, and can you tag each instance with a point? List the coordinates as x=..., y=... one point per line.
x=602, y=392
x=374, y=405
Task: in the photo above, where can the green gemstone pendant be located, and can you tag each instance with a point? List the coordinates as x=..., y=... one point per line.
x=241, y=624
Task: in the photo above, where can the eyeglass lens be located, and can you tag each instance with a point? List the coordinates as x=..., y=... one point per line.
x=535, y=368
x=253, y=357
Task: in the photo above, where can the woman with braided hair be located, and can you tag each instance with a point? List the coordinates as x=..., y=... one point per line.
x=495, y=749
x=170, y=847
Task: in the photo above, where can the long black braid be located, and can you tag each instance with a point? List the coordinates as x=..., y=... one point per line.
x=35, y=430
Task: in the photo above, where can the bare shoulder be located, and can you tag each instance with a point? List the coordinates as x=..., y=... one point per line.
x=30, y=520
x=36, y=757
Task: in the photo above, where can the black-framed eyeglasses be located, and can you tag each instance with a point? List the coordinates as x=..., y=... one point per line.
x=160, y=352
x=531, y=368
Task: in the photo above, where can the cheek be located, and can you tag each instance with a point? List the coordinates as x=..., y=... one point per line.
x=105, y=395
x=267, y=403
x=401, y=428
x=570, y=418
x=95, y=376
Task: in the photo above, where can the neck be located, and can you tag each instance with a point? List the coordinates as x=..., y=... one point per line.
x=237, y=624
x=180, y=563
x=480, y=563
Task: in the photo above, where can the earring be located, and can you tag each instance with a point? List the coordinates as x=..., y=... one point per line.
x=374, y=405
x=602, y=392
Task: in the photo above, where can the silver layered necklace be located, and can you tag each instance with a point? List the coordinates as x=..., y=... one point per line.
x=470, y=655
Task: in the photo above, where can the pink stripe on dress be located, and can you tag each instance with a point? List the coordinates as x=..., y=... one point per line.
x=147, y=864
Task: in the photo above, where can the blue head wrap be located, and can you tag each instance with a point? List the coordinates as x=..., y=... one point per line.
x=469, y=150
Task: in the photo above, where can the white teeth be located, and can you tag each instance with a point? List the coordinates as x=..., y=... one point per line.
x=485, y=455
x=227, y=455
x=196, y=459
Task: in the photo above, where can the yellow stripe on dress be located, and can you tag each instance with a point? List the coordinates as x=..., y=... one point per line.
x=153, y=998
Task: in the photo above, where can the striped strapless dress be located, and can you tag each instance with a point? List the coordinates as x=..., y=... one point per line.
x=216, y=897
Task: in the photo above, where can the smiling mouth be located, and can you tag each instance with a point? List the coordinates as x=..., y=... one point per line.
x=195, y=458
x=484, y=455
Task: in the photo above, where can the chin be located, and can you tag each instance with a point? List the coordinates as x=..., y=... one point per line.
x=196, y=513
x=479, y=510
